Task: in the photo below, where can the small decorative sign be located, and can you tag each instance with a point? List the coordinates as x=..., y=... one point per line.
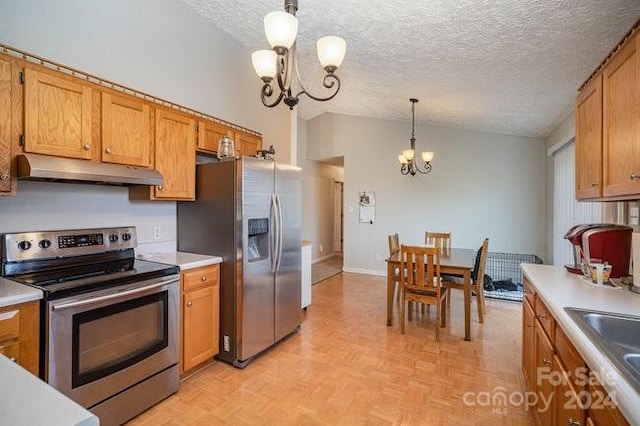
x=367, y=206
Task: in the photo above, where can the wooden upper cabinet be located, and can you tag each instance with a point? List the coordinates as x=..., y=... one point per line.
x=589, y=141
x=126, y=131
x=5, y=126
x=209, y=133
x=175, y=155
x=247, y=144
x=57, y=116
x=621, y=122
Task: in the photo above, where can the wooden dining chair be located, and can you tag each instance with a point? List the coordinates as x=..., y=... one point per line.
x=421, y=283
x=438, y=239
x=394, y=247
x=477, y=279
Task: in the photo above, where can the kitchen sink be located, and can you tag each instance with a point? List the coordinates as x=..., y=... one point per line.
x=620, y=330
x=634, y=361
x=616, y=335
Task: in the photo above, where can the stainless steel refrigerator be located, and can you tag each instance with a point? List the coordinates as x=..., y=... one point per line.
x=248, y=211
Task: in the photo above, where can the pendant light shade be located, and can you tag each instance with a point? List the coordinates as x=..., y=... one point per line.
x=331, y=51
x=281, y=29
x=264, y=62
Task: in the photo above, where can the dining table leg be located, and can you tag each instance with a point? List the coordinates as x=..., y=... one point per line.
x=389, y=294
x=467, y=305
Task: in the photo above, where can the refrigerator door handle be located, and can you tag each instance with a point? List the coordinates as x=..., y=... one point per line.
x=279, y=204
x=273, y=234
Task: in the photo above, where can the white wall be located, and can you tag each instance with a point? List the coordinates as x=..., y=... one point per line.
x=317, y=197
x=482, y=185
x=51, y=206
x=158, y=46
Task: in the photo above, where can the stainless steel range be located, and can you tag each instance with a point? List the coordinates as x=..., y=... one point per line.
x=110, y=321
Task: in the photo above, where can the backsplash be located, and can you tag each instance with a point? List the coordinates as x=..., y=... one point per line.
x=55, y=206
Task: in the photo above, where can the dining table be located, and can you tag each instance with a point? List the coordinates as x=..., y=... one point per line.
x=453, y=261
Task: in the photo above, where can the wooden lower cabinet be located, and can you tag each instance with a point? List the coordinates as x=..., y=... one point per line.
x=603, y=410
x=544, y=384
x=569, y=394
x=528, y=344
x=570, y=408
x=200, y=315
x=19, y=334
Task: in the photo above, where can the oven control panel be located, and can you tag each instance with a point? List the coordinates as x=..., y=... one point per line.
x=66, y=241
x=51, y=244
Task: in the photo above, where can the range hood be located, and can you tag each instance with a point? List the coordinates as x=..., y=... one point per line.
x=47, y=168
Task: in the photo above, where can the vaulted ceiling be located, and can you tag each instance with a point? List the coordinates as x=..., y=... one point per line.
x=503, y=66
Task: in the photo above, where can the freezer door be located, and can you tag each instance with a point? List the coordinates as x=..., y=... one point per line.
x=256, y=310
x=288, y=265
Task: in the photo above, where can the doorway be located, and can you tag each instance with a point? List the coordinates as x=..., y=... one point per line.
x=338, y=217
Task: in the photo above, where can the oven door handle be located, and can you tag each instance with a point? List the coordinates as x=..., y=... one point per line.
x=116, y=295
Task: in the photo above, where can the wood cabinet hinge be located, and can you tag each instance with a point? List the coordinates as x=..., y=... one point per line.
x=21, y=77
x=21, y=140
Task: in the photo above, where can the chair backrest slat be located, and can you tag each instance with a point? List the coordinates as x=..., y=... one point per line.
x=439, y=239
x=394, y=244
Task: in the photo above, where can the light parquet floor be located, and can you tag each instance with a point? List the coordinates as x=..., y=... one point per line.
x=346, y=367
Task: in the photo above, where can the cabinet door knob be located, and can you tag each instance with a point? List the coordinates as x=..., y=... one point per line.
x=4, y=176
x=633, y=176
x=572, y=422
x=87, y=147
x=108, y=150
x=546, y=361
x=594, y=184
x=204, y=278
x=160, y=188
x=542, y=316
x=189, y=304
x=14, y=359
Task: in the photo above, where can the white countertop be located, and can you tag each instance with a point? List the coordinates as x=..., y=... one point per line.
x=559, y=289
x=27, y=400
x=182, y=259
x=12, y=292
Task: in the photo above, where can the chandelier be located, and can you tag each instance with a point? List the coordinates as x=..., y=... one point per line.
x=280, y=63
x=407, y=158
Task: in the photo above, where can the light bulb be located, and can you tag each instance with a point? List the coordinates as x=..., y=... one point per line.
x=427, y=156
x=281, y=29
x=402, y=159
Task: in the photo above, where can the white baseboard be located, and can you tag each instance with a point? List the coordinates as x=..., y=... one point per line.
x=365, y=271
x=320, y=259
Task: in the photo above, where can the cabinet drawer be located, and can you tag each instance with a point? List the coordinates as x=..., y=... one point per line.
x=11, y=350
x=529, y=293
x=200, y=277
x=9, y=324
x=572, y=360
x=545, y=318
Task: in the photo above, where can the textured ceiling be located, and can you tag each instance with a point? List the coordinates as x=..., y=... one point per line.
x=504, y=66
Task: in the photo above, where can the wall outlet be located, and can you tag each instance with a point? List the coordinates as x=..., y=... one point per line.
x=321, y=249
x=157, y=233
x=378, y=256
x=634, y=213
